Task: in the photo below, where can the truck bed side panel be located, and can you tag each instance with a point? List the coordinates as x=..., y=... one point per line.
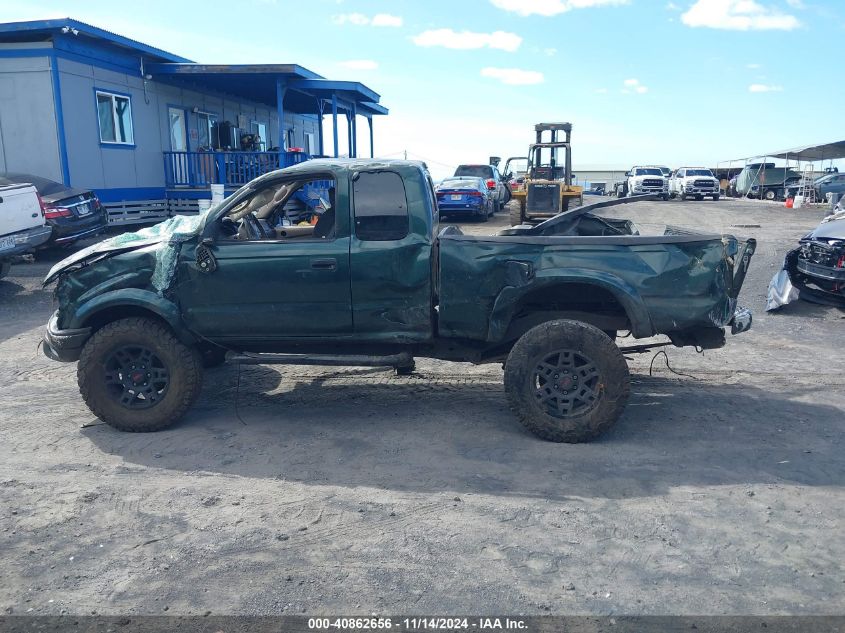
x=664, y=284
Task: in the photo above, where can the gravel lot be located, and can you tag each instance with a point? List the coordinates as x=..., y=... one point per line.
x=321, y=490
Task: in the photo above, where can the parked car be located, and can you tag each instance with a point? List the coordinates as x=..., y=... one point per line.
x=494, y=181
x=824, y=186
x=644, y=179
x=380, y=286
x=22, y=225
x=694, y=181
x=765, y=181
x=72, y=213
x=815, y=271
x=465, y=196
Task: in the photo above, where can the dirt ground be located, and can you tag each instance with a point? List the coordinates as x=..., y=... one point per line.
x=320, y=490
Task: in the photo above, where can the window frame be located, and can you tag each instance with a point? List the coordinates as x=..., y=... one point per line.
x=113, y=95
x=353, y=209
x=210, y=121
x=283, y=240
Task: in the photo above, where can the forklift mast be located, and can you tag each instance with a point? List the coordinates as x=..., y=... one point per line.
x=553, y=144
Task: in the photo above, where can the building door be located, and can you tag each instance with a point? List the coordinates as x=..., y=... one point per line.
x=178, y=143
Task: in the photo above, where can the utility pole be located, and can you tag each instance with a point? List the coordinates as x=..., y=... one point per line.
x=406, y=154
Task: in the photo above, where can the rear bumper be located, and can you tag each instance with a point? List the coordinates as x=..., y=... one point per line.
x=78, y=235
x=459, y=209
x=28, y=240
x=827, y=273
x=63, y=345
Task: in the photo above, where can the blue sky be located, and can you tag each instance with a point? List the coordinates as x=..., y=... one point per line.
x=643, y=81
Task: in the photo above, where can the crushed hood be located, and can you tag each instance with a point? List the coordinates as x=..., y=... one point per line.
x=173, y=231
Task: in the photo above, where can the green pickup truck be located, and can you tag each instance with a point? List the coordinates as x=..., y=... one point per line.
x=343, y=263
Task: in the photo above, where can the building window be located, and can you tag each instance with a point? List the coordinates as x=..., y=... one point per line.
x=115, y=115
x=381, y=208
x=205, y=124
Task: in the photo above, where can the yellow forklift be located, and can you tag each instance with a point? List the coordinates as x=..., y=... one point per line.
x=548, y=188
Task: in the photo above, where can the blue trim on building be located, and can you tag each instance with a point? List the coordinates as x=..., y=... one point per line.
x=129, y=194
x=107, y=145
x=60, y=119
x=27, y=52
x=56, y=26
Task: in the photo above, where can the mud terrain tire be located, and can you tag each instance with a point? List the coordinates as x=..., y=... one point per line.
x=136, y=376
x=542, y=373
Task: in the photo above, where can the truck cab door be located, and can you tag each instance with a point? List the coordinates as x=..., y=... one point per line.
x=391, y=250
x=279, y=285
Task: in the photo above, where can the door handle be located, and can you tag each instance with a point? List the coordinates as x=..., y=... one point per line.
x=324, y=264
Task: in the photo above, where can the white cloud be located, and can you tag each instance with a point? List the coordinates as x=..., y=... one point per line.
x=466, y=40
x=513, y=76
x=359, y=64
x=738, y=15
x=752, y=66
x=671, y=6
x=385, y=19
x=550, y=7
x=764, y=88
x=359, y=19
x=633, y=86
x=550, y=52
x=795, y=4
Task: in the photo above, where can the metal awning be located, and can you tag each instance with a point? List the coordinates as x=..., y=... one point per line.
x=809, y=153
x=258, y=82
x=806, y=153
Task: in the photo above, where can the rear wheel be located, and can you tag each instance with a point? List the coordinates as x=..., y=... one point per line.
x=682, y=196
x=716, y=197
x=699, y=197
x=567, y=381
x=136, y=376
x=770, y=194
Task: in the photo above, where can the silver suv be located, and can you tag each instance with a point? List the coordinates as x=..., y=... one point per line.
x=493, y=178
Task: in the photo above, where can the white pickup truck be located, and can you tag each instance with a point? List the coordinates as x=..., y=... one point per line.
x=642, y=180
x=694, y=181
x=22, y=224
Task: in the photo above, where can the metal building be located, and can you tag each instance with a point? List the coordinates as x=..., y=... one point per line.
x=149, y=131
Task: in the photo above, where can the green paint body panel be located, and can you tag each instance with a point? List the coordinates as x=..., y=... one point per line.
x=420, y=291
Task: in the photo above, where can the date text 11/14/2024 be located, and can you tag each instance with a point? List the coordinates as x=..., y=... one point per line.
x=418, y=623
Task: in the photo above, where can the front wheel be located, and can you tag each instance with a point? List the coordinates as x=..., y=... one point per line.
x=517, y=216
x=567, y=381
x=136, y=376
x=770, y=194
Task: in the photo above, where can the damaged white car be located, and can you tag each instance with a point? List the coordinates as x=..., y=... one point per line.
x=815, y=271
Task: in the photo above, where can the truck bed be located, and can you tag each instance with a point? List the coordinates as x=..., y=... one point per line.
x=579, y=265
